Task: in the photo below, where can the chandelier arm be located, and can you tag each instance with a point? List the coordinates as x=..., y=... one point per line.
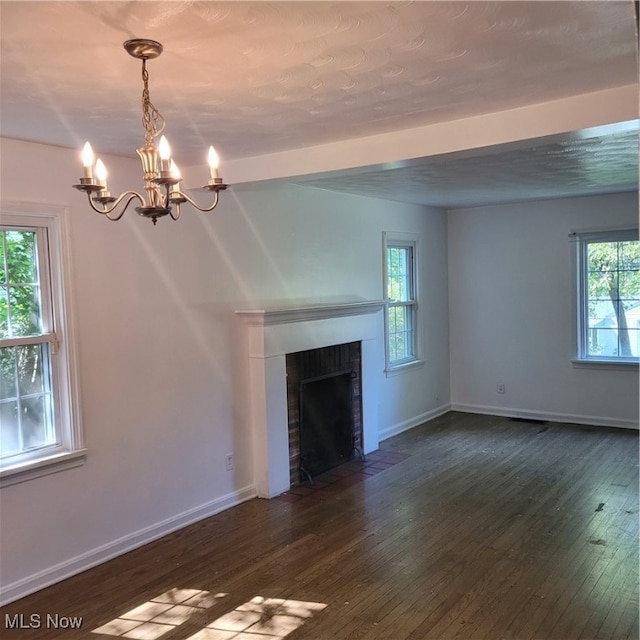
x=197, y=206
x=106, y=210
x=129, y=201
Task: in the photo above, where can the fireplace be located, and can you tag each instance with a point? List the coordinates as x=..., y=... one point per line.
x=324, y=409
x=273, y=334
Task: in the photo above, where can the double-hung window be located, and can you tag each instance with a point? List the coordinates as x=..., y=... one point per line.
x=608, y=296
x=39, y=422
x=400, y=290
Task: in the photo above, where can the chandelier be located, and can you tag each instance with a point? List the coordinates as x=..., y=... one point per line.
x=161, y=175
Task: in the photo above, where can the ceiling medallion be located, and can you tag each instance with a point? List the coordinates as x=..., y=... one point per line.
x=161, y=175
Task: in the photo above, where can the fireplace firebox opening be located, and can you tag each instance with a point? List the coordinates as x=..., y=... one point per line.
x=326, y=422
x=325, y=409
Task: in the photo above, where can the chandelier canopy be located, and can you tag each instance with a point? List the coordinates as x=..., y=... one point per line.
x=161, y=175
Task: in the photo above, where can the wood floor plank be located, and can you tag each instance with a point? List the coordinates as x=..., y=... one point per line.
x=480, y=528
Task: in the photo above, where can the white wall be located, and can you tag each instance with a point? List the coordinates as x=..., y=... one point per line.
x=157, y=342
x=512, y=312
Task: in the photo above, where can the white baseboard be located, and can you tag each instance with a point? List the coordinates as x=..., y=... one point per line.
x=101, y=554
x=400, y=427
x=597, y=421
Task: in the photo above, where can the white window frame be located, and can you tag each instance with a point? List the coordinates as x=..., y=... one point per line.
x=582, y=240
x=49, y=222
x=411, y=241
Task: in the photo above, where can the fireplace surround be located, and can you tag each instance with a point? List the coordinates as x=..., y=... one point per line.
x=272, y=333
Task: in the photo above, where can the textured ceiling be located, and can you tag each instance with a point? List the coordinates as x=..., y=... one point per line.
x=261, y=77
x=586, y=163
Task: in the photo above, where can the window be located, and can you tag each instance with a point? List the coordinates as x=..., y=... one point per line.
x=402, y=305
x=608, y=296
x=39, y=429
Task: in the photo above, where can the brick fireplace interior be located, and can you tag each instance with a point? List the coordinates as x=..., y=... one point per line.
x=324, y=405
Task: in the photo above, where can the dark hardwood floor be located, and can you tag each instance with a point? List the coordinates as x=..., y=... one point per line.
x=480, y=528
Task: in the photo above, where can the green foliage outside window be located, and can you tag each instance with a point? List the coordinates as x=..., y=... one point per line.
x=613, y=297
x=400, y=294
x=25, y=389
x=398, y=274
x=19, y=290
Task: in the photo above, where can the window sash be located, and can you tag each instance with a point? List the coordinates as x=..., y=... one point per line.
x=26, y=397
x=590, y=336
x=401, y=339
x=400, y=292
x=42, y=275
x=28, y=424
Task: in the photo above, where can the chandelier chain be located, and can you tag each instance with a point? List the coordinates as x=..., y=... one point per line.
x=152, y=120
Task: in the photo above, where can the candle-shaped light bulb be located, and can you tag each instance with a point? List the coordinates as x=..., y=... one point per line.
x=175, y=172
x=101, y=173
x=87, y=160
x=164, y=150
x=214, y=161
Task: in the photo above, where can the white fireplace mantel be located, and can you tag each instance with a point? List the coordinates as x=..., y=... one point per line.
x=310, y=312
x=275, y=332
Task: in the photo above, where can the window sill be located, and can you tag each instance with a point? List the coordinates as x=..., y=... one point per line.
x=396, y=369
x=619, y=365
x=43, y=467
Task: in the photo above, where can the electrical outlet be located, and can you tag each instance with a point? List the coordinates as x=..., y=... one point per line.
x=500, y=387
x=229, y=459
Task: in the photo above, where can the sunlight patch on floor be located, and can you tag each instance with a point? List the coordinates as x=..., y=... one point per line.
x=260, y=619
x=159, y=615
